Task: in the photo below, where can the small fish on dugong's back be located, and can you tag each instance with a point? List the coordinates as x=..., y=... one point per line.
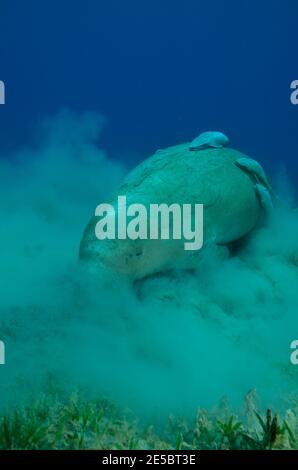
x=209, y=139
x=176, y=175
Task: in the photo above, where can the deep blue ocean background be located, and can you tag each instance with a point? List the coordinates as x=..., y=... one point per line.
x=160, y=72
x=157, y=73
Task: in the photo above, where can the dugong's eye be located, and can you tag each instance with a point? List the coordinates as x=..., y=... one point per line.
x=133, y=256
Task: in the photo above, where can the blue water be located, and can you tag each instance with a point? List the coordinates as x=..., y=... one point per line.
x=160, y=72
x=153, y=74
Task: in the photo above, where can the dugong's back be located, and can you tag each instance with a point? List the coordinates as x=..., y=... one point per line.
x=209, y=177
x=178, y=175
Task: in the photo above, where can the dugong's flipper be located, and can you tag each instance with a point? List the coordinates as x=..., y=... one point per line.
x=255, y=170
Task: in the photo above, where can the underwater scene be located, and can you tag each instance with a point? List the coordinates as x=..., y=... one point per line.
x=149, y=225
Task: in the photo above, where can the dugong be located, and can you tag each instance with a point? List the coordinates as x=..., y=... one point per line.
x=232, y=208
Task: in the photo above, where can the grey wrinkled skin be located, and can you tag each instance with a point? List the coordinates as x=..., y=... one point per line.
x=176, y=175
